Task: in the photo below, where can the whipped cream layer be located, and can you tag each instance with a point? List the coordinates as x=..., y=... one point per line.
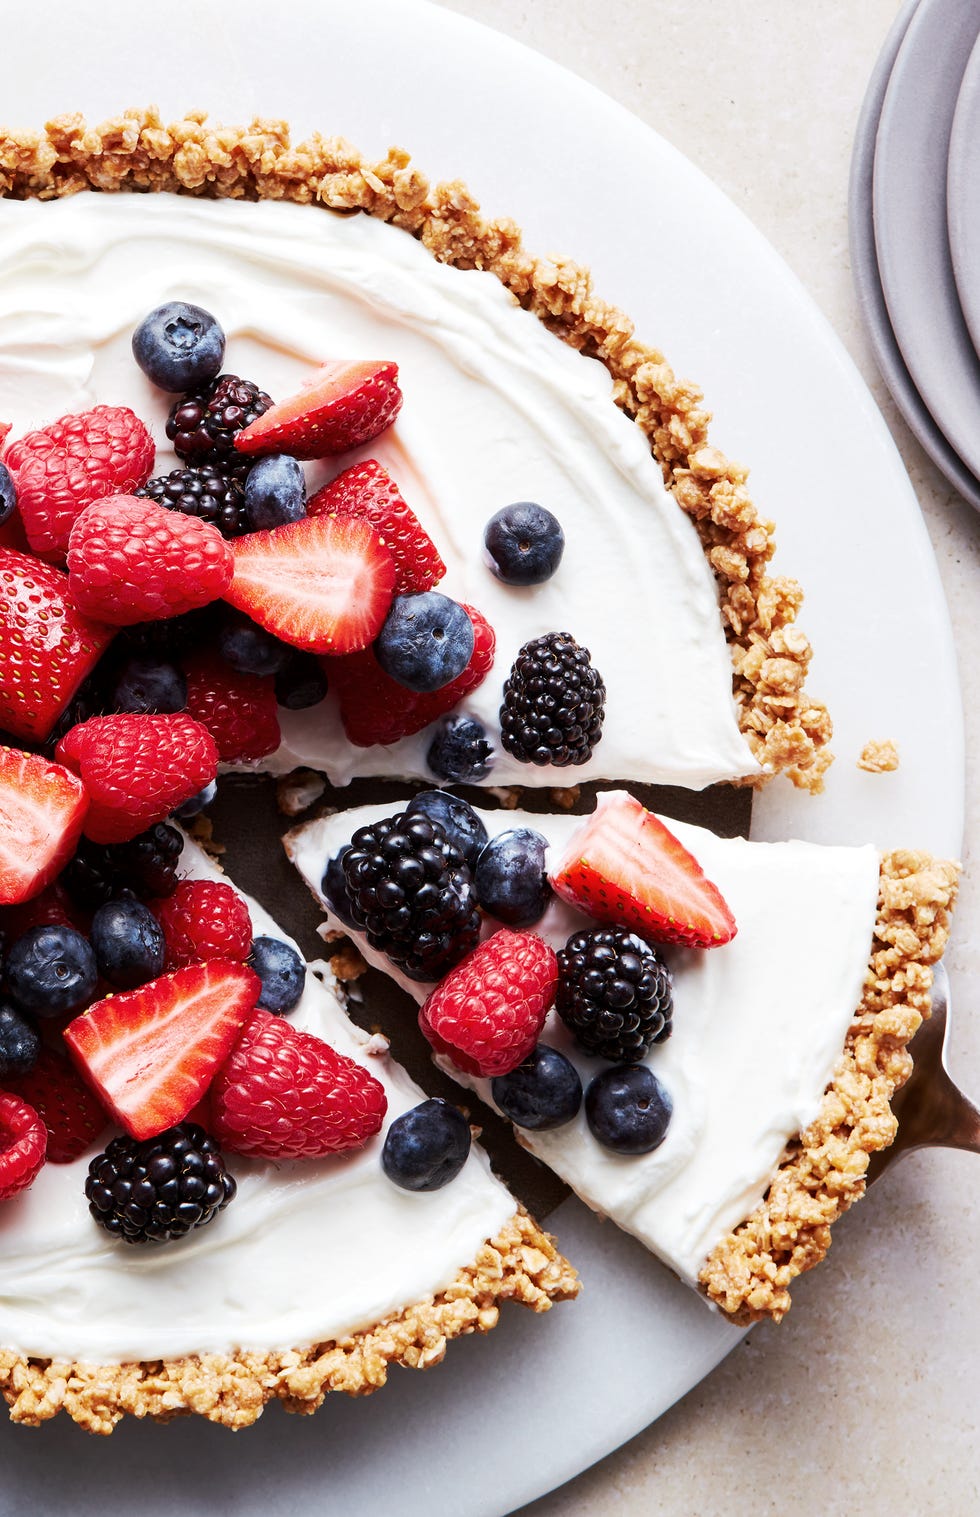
x=308, y=1251
x=496, y=410
x=759, y=1026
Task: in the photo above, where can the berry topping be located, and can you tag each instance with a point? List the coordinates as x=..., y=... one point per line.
x=53, y=906
x=275, y=493
x=23, y=1144
x=334, y=888
x=410, y=891
x=211, y=494
x=239, y=710
x=66, y=466
x=624, y=867
x=510, y=878
x=128, y=944
x=282, y=972
x=249, y=649
x=150, y=1054
x=487, y=1014
x=136, y=769
x=20, y=1044
x=73, y=1117
x=203, y=920
x=146, y=685
x=51, y=970
x=203, y=424
x=146, y=865
x=544, y=1090
x=614, y=994
x=285, y=1094
x=426, y=641
x=628, y=1110
x=460, y=751
x=456, y=817
x=524, y=544
x=8, y=495
x=343, y=405
x=368, y=491
x=42, y=808
x=554, y=703
x=179, y=346
x=159, y=1189
x=426, y=1147
x=301, y=683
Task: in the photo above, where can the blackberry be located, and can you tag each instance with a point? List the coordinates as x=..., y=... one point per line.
x=554, y=703
x=160, y=1188
x=173, y=638
x=212, y=494
x=203, y=423
x=614, y=994
x=410, y=890
x=146, y=865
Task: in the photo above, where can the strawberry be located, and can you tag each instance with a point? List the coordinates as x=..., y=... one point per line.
x=625, y=867
x=323, y=584
x=368, y=491
x=488, y=1012
x=343, y=405
x=239, y=710
x=73, y=1117
x=150, y=1054
x=42, y=807
x=48, y=646
x=64, y=467
x=202, y=920
x=375, y=709
x=6, y=427
x=23, y=1143
x=285, y=1094
x=137, y=769
x=130, y=560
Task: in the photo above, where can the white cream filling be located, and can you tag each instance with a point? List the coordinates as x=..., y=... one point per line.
x=308, y=1251
x=496, y=410
x=759, y=1026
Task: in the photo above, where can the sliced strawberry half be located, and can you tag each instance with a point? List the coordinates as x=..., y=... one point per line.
x=66, y=1106
x=42, y=808
x=323, y=584
x=343, y=405
x=625, y=867
x=368, y=491
x=150, y=1054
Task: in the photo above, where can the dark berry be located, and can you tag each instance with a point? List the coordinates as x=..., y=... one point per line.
x=90, y=699
x=249, y=649
x=614, y=993
x=554, y=703
x=174, y=638
x=426, y=1147
x=51, y=970
x=128, y=943
x=510, y=877
x=543, y=1092
x=197, y=803
x=202, y=425
x=275, y=492
x=627, y=1109
x=282, y=972
x=524, y=544
x=8, y=494
x=19, y=1042
x=214, y=495
x=146, y=684
x=160, y=1188
x=426, y=641
x=333, y=888
x=146, y=865
x=460, y=751
x=179, y=346
x=457, y=819
x=302, y=682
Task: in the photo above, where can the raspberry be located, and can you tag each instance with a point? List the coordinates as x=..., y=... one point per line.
x=70, y=1112
x=131, y=560
x=487, y=1014
x=285, y=1094
x=368, y=491
x=24, y=1143
x=204, y=919
x=239, y=710
x=64, y=467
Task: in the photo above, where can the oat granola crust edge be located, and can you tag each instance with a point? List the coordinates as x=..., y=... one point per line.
x=787, y=731
x=749, y=1272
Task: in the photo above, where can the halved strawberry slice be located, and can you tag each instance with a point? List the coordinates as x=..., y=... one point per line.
x=343, y=405
x=368, y=491
x=623, y=866
x=323, y=584
x=150, y=1054
x=66, y=1106
x=42, y=808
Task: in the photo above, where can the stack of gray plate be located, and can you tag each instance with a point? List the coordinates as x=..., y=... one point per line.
x=915, y=228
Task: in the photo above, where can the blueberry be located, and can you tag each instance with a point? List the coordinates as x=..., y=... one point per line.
x=457, y=819
x=179, y=346
x=128, y=943
x=460, y=750
x=275, y=492
x=427, y=1147
x=301, y=682
x=197, y=803
x=51, y=970
x=510, y=877
x=149, y=685
x=249, y=649
x=282, y=972
x=545, y=1091
x=524, y=544
x=333, y=888
x=628, y=1110
x=19, y=1042
x=8, y=494
x=426, y=641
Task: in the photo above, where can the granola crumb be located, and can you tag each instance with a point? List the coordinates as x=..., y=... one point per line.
x=879, y=757
x=297, y=791
x=201, y=829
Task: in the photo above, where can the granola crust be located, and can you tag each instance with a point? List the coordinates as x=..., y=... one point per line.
x=520, y=1264
x=749, y=1272
x=787, y=731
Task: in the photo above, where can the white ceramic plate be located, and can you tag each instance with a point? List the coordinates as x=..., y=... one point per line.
x=962, y=202
x=505, y=1420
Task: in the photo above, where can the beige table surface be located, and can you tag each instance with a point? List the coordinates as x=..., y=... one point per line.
x=867, y=1398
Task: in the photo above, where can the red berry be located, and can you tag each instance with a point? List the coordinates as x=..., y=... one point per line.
x=136, y=769
x=239, y=710
x=42, y=808
x=73, y=1117
x=285, y=1094
x=488, y=1012
x=130, y=560
x=343, y=405
x=202, y=920
x=54, y=907
x=368, y=491
x=64, y=467
x=23, y=1143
